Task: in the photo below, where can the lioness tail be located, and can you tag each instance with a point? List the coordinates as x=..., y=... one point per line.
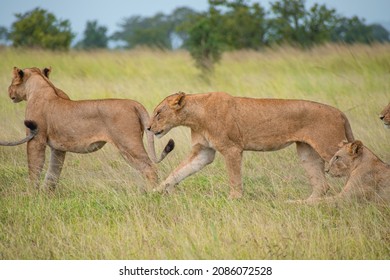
x=33, y=131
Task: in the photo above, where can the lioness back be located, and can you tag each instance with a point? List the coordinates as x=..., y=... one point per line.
x=272, y=124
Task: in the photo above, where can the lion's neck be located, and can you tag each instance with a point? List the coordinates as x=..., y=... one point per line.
x=38, y=88
x=367, y=158
x=193, y=114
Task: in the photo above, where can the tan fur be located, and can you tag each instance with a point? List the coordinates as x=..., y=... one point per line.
x=231, y=125
x=385, y=116
x=367, y=176
x=80, y=126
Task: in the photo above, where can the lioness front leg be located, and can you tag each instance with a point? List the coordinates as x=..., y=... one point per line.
x=35, y=159
x=200, y=156
x=55, y=166
x=233, y=159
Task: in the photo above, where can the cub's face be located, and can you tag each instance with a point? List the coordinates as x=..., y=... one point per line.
x=16, y=90
x=385, y=116
x=343, y=160
x=167, y=114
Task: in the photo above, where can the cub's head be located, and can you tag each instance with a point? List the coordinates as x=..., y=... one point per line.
x=17, y=89
x=342, y=161
x=168, y=114
x=385, y=116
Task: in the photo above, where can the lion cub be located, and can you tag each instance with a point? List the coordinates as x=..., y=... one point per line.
x=367, y=176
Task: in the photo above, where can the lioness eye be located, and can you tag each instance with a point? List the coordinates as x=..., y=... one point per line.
x=336, y=158
x=158, y=115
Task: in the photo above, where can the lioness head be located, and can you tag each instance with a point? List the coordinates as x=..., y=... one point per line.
x=342, y=161
x=385, y=116
x=167, y=114
x=16, y=90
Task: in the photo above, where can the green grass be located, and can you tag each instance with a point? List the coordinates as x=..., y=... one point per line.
x=98, y=212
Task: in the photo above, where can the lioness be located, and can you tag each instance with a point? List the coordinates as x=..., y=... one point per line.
x=367, y=176
x=230, y=125
x=80, y=126
x=385, y=116
x=32, y=126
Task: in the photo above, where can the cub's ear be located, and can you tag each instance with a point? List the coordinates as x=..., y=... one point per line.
x=46, y=71
x=18, y=73
x=178, y=101
x=355, y=148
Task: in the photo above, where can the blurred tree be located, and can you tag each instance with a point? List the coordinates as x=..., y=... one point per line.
x=162, y=31
x=287, y=25
x=379, y=33
x=354, y=30
x=227, y=25
x=40, y=29
x=181, y=18
x=204, y=41
x=94, y=36
x=3, y=35
x=145, y=31
x=293, y=24
x=242, y=26
x=319, y=23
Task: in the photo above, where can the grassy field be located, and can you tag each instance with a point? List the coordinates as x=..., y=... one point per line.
x=98, y=212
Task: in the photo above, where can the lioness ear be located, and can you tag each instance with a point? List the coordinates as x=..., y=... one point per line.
x=356, y=148
x=46, y=71
x=18, y=73
x=178, y=101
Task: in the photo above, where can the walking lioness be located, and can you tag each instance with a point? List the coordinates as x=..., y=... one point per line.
x=231, y=125
x=80, y=126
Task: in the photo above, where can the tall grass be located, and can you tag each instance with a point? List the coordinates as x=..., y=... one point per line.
x=98, y=212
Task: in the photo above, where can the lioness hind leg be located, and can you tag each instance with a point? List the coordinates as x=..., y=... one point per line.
x=233, y=159
x=36, y=159
x=57, y=159
x=314, y=166
x=138, y=159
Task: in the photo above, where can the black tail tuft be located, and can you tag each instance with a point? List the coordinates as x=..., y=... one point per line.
x=170, y=146
x=31, y=125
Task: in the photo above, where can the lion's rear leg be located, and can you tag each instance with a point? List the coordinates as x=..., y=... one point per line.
x=57, y=159
x=138, y=159
x=36, y=159
x=314, y=166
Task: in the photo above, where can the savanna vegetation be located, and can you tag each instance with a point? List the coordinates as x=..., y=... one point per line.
x=98, y=212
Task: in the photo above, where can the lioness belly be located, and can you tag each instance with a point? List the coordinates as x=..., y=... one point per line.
x=262, y=147
x=77, y=147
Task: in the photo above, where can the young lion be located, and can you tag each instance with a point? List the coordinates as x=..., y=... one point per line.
x=80, y=126
x=231, y=125
x=385, y=116
x=367, y=176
